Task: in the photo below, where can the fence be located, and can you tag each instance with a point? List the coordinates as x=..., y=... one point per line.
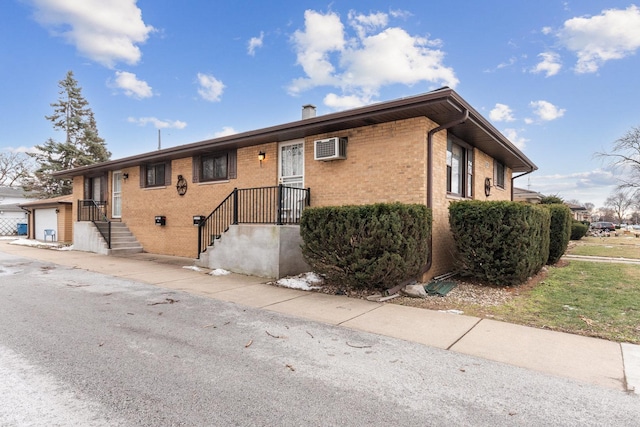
x=9, y=226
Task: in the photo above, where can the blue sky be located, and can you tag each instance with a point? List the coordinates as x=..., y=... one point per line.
x=558, y=78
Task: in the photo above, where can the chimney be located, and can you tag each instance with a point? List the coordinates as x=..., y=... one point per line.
x=308, y=111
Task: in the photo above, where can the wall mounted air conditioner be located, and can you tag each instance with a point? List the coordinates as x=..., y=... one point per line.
x=330, y=149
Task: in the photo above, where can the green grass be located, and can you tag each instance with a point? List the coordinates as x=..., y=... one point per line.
x=587, y=298
x=615, y=247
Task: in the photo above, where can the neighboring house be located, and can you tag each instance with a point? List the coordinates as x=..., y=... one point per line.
x=11, y=215
x=50, y=219
x=528, y=196
x=428, y=149
x=579, y=212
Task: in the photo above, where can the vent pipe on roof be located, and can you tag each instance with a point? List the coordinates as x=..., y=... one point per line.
x=308, y=111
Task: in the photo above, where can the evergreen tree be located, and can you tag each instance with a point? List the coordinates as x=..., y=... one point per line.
x=82, y=145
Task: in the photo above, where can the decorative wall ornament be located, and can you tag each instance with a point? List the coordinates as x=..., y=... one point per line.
x=181, y=185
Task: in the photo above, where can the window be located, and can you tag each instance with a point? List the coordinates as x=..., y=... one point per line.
x=498, y=172
x=459, y=168
x=94, y=188
x=155, y=174
x=214, y=167
x=220, y=166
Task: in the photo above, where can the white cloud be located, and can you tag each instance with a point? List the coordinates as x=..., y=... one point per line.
x=366, y=24
x=255, y=43
x=157, y=123
x=345, y=102
x=131, y=86
x=226, y=131
x=107, y=32
x=375, y=56
x=587, y=187
x=546, y=111
x=550, y=64
x=501, y=113
x=518, y=141
x=210, y=88
x=614, y=34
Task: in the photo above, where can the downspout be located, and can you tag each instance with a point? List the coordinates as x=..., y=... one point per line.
x=462, y=119
x=516, y=177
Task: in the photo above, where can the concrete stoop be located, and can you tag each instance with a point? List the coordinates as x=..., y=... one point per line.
x=122, y=240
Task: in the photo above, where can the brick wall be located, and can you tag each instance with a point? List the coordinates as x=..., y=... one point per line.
x=385, y=163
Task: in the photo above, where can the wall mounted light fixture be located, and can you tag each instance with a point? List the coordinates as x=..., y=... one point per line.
x=261, y=156
x=125, y=175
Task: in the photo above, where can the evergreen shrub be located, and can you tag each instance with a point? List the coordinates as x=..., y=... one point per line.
x=501, y=243
x=369, y=246
x=560, y=231
x=578, y=230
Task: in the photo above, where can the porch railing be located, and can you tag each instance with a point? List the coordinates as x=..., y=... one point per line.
x=94, y=211
x=264, y=205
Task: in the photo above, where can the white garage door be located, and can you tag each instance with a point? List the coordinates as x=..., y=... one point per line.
x=46, y=219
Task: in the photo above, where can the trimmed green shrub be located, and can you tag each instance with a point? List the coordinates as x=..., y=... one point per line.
x=501, y=243
x=560, y=231
x=370, y=246
x=578, y=230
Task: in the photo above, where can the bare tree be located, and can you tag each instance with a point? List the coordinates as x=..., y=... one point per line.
x=14, y=168
x=620, y=201
x=625, y=156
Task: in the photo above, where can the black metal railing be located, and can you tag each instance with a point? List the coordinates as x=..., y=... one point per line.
x=96, y=212
x=264, y=205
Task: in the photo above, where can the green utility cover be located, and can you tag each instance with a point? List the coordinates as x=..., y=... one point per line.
x=440, y=288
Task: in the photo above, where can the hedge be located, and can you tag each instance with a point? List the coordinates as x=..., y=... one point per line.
x=502, y=243
x=560, y=228
x=369, y=246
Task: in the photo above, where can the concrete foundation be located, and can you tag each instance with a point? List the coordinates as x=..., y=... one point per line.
x=271, y=251
x=86, y=237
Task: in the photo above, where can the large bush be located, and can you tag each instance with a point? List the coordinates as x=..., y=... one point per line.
x=501, y=243
x=375, y=246
x=578, y=230
x=560, y=231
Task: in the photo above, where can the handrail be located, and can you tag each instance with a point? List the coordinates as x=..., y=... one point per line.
x=262, y=205
x=95, y=211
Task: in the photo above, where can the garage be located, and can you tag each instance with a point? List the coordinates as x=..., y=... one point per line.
x=46, y=219
x=53, y=214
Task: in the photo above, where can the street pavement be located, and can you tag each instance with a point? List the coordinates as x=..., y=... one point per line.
x=175, y=346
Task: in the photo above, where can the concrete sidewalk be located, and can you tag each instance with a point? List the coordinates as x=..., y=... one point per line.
x=596, y=361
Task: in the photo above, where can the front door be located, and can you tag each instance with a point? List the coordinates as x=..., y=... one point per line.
x=291, y=164
x=116, y=199
x=291, y=174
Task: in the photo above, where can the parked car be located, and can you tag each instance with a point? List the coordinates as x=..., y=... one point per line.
x=604, y=226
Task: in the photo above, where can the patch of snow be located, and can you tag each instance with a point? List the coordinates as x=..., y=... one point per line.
x=8, y=238
x=39, y=244
x=304, y=281
x=192, y=267
x=219, y=272
x=452, y=311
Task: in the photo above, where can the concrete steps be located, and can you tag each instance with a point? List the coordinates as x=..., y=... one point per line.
x=122, y=240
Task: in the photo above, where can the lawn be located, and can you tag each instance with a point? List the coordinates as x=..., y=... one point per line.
x=622, y=246
x=581, y=297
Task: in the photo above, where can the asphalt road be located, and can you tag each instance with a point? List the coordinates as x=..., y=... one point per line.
x=81, y=348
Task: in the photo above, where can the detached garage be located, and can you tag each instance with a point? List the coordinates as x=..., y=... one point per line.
x=50, y=219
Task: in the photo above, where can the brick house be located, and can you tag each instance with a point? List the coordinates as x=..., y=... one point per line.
x=429, y=149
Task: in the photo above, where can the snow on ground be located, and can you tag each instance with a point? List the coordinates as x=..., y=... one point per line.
x=192, y=267
x=20, y=241
x=219, y=272
x=305, y=281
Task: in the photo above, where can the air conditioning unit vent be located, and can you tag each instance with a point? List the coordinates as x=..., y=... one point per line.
x=330, y=149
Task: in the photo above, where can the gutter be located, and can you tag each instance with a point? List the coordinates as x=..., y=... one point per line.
x=463, y=118
x=516, y=177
